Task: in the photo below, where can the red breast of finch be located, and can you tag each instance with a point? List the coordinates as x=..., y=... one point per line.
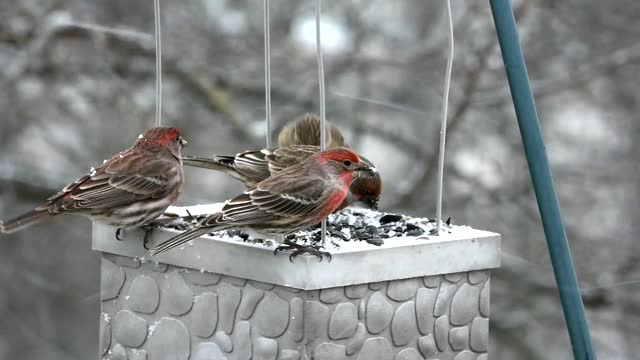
x=300, y=196
x=129, y=190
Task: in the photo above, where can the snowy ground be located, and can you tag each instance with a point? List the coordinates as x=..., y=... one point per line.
x=349, y=229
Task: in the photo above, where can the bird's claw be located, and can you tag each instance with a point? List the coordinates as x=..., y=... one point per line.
x=297, y=249
x=118, y=234
x=148, y=229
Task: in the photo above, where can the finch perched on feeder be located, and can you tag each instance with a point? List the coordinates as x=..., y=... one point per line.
x=129, y=190
x=297, y=141
x=251, y=167
x=293, y=199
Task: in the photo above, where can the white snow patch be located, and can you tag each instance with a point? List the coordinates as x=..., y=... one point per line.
x=336, y=37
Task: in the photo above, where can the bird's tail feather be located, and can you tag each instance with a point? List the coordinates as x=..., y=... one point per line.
x=23, y=221
x=181, y=239
x=205, y=163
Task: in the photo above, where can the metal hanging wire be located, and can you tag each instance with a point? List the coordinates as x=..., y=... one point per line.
x=158, y=38
x=267, y=71
x=323, y=128
x=443, y=126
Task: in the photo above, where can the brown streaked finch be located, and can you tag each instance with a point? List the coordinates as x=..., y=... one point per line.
x=129, y=190
x=251, y=167
x=300, y=196
x=305, y=130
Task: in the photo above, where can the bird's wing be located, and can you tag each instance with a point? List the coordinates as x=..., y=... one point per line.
x=252, y=165
x=259, y=205
x=126, y=178
x=282, y=158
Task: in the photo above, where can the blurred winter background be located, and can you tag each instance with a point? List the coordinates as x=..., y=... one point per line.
x=77, y=85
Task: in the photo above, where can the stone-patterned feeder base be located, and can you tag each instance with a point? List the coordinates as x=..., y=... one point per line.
x=216, y=299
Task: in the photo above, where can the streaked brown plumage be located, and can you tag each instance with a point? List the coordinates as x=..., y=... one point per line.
x=298, y=140
x=251, y=167
x=295, y=198
x=132, y=188
x=305, y=130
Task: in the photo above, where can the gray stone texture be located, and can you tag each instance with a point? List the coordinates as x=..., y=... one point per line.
x=463, y=305
x=288, y=354
x=355, y=291
x=459, y=338
x=343, y=322
x=178, y=313
x=329, y=351
x=331, y=295
x=265, y=349
x=296, y=321
x=143, y=295
x=465, y=355
x=379, y=312
x=427, y=345
x=431, y=281
x=408, y=354
x=137, y=354
x=105, y=333
x=454, y=277
x=425, y=302
x=402, y=290
x=129, y=329
x=223, y=341
x=357, y=340
x=272, y=316
x=228, y=302
x=484, y=299
x=478, y=276
x=403, y=326
x=250, y=298
x=480, y=334
x=176, y=294
x=113, y=278
x=205, y=315
x=442, y=332
x=169, y=340
x=444, y=298
x=203, y=278
x=377, y=348
x=118, y=353
x=208, y=351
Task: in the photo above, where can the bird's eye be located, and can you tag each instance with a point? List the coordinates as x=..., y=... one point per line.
x=347, y=162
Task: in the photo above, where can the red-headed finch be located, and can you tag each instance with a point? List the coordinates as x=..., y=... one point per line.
x=305, y=130
x=293, y=199
x=251, y=167
x=129, y=190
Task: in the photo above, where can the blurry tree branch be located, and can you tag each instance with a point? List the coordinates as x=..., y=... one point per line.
x=471, y=84
x=576, y=77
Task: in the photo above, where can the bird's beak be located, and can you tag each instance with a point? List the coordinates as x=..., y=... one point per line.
x=183, y=142
x=362, y=167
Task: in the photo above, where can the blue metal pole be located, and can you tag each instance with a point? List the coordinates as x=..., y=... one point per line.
x=542, y=181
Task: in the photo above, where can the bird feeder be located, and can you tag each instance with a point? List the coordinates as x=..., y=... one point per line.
x=222, y=297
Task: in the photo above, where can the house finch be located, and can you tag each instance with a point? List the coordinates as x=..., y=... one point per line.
x=305, y=130
x=129, y=190
x=295, y=198
x=251, y=167
x=298, y=140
